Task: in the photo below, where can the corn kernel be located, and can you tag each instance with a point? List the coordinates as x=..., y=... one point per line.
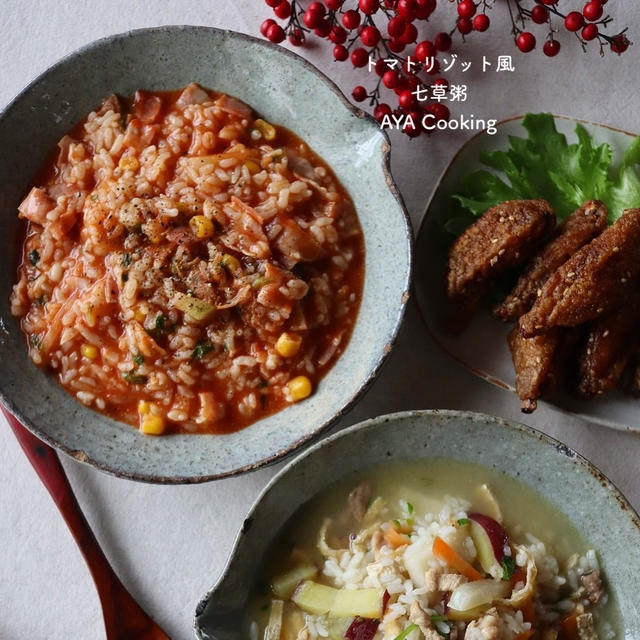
x=201, y=226
x=89, y=351
x=144, y=407
x=288, y=344
x=128, y=163
x=152, y=425
x=253, y=167
x=230, y=262
x=266, y=129
x=299, y=388
x=139, y=315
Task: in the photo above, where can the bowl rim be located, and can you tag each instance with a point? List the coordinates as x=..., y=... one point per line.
x=420, y=299
x=408, y=233
x=371, y=423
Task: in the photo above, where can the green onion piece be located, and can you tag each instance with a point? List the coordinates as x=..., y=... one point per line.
x=403, y=634
x=508, y=566
x=42, y=300
x=138, y=359
x=463, y=522
x=34, y=256
x=409, y=508
x=134, y=378
x=126, y=259
x=261, y=281
x=202, y=348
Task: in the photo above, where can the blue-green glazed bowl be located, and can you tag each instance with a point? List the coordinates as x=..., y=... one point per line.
x=286, y=90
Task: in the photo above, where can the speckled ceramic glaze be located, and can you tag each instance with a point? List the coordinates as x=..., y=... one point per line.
x=283, y=88
x=566, y=480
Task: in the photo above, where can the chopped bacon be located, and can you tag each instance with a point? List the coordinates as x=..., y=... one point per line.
x=36, y=206
x=245, y=232
x=147, y=107
x=193, y=94
x=233, y=106
x=295, y=244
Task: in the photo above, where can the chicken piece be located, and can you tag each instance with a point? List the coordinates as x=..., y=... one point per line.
x=418, y=616
x=450, y=581
x=608, y=348
x=358, y=499
x=596, y=279
x=506, y=236
x=36, y=206
x=586, y=627
x=484, y=628
x=579, y=228
x=593, y=586
x=534, y=361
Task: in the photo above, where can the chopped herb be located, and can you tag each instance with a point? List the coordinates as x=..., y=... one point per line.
x=125, y=276
x=261, y=281
x=35, y=341
x=134, y=378
x=94, y=196
x=463, y=522
x=42, y=300
x=397, y=523
x=407, y=630
x=126, y=259
x=202, y=348
x=508, y=567
x=264, y=383
x=409, y=508
x=34, y=256
x=138, y=360
x=442, y=625
x=159, y=328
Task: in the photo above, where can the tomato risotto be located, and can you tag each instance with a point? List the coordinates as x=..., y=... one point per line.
x=187, y=266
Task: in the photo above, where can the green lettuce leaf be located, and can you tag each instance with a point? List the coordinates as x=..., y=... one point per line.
x=545, y=165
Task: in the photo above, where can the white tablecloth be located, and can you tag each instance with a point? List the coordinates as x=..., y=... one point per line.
x=169, y=544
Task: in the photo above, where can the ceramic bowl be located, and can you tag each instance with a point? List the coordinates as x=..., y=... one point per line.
x=283, y=88
x=566, y=480
x=482, y=347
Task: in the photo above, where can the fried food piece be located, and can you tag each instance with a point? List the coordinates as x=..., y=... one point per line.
x=535, y=361
x=609, y=346
x=596, y=279
x=579, y=228
x=506, y=236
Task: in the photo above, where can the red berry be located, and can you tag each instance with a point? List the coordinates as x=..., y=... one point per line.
x=337, y=34
x=425, y=8
x=620, y=43
x=442, y=82
x=312, y=18
x=369, y=7
x=318, y=7
x=370, y=36
x=439, y=111
x=592, y=11
x=350, y=19
x=412, y=130
x=466, y=9
x=340, y=53
x=549, y=1
x=465, y=26
x=481, y=22
x=382, y=110
x=409, y=34
x=324, y=28
x=551, y=48
x=297, y=37
x=359, y=93
x=264, y=27
x=406, y=99
x=589, y=32
x=390, y=79
x=574, y=21
x=283, y=10
x=275, y=33
x=359, y=57
x=395, y=26
x=406, y=9
x=539, y=14
x=396, y=45
x=433, y=67
x=424, y=50
x=380, y=67
x=272, y=3
x=526, y=42
x=442, y=41
x=333, y=5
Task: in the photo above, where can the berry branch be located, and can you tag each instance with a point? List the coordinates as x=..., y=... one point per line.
x=384, y=35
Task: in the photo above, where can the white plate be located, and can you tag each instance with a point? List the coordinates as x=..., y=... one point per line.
x=482, y=347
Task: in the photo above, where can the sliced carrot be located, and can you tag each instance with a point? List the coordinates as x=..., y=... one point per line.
x=525, y=635
x=443, y=551
x=569, y=627
x=394, y=538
